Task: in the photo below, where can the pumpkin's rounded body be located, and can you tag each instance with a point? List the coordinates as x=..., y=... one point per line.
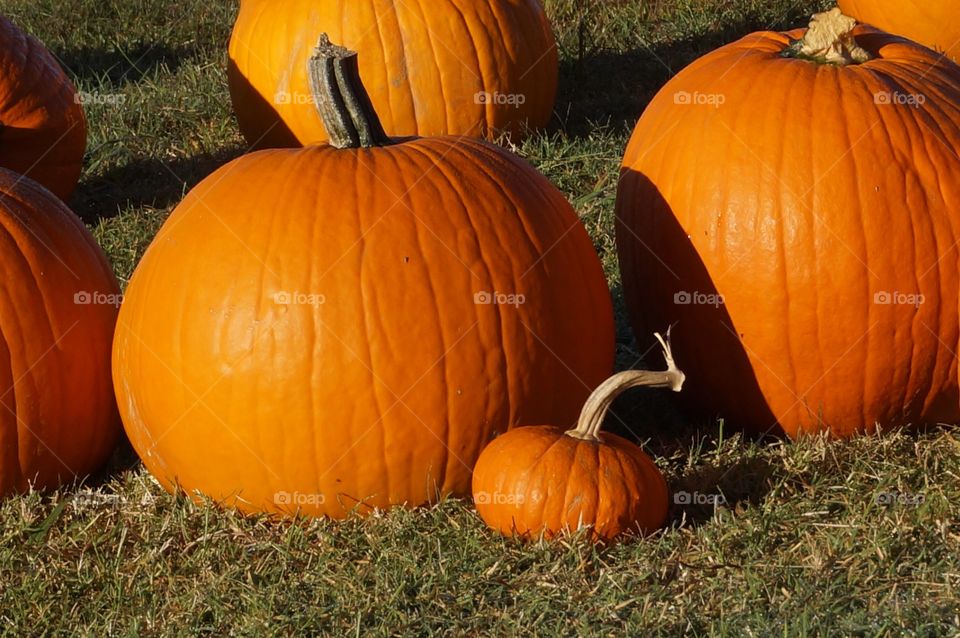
x=324, y=330
x=799, y=222
x=57, y=315
x=431, y=67
x=536, y=481
x=933, y=24
x=43, y=133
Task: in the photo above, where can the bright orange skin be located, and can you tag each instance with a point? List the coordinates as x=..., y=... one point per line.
x=537, y=480
x=800, y=199
x=58, y=419
x=423, y=63
x=43, y=132
x=933, y=24
x=387, y=392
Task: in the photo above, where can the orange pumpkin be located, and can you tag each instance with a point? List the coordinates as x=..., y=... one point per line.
x=43, y=133
x=348, y=325
x=933, y=24
x=794, y=205
x=58, y=419
x=541, y=481
x=433, y=67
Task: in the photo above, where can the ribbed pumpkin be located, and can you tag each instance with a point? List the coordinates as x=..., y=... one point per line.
x=43, y=133
x=796, y=213
x=432, y=67
x=931, y=23
x=541, y=481
x=57, y=314
x=345, y=326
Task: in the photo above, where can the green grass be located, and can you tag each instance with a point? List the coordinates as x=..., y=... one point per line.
x=801, y=546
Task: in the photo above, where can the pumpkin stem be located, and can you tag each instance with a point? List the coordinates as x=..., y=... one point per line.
x=829, y=40
x=595, y=409
x=343, y=102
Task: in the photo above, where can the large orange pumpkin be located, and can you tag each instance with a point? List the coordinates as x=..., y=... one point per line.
x=541, y=481
x=58, y=419
x=348, y=325
x=43, y=133
x=932, y=23
x=432, y=67
x=796, y=211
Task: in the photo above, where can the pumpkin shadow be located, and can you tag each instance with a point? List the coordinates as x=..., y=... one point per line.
x=696, y=497
x=118, y=68
x=256, y=108
x=670, y=280
x=613, y=88
x=147, y=182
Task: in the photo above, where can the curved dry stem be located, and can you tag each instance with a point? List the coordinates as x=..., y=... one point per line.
x=598, y=404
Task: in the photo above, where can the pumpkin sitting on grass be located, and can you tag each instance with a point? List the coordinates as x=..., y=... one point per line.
x=58, y=419
x=792, y=202
x=541, y=481
x=346, y=326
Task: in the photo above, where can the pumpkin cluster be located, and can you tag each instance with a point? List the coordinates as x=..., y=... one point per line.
x=381, y=307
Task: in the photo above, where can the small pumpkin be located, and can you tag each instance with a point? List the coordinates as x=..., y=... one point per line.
x=931, y=23
x=345, y=326
x=43, y=132
x=58, y=419
x=542, y=481
x=792, y=201
x=432, y=67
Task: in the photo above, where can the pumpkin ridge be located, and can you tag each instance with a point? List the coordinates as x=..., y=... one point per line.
x=324, y=175
x=445, y=347
x=398, y=36
x=555, y=448
x=436, y=63
x=620, y=479
x=487, y=119
x=433, y=152
x=369, y=304
x=458, y=146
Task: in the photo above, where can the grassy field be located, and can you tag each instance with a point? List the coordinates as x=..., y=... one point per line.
x=812, y=537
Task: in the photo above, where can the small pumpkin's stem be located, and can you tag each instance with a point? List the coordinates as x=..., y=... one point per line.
x=595, y=409
x=343, y=102
x=829, y=40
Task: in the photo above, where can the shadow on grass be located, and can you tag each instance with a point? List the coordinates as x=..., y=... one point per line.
x=120, y=67
x=146, y=182
x=695, y=496
x=613, y=88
